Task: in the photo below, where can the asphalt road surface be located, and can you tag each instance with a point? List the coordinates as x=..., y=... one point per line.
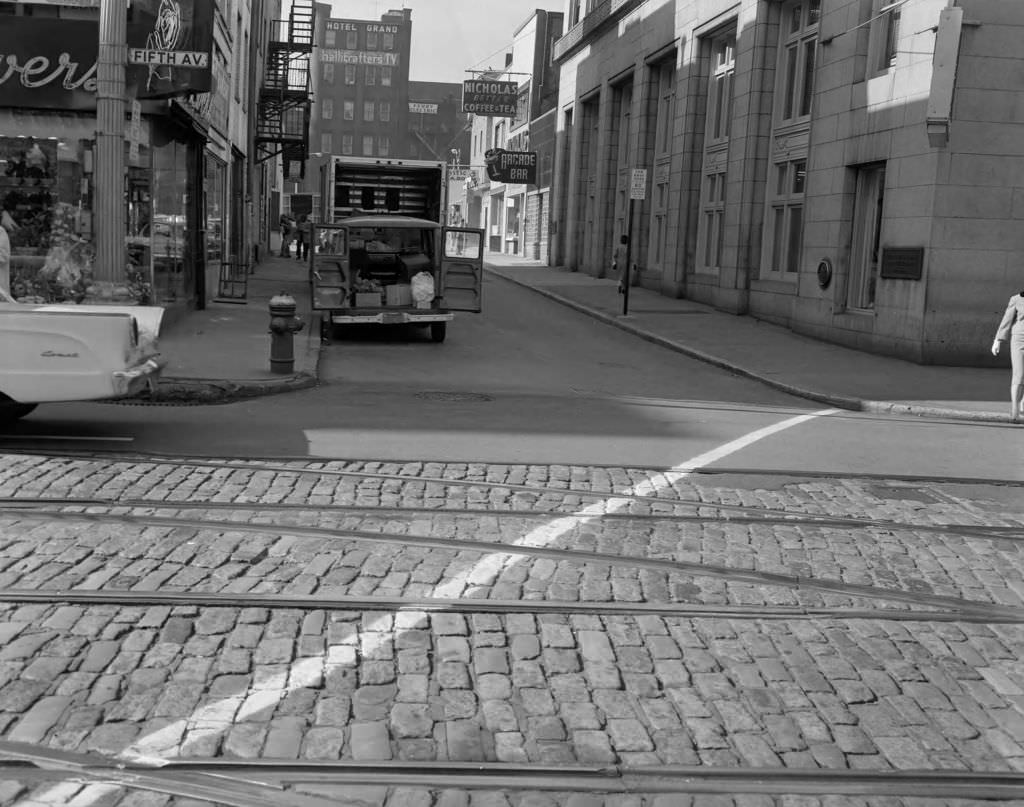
x=531, y=381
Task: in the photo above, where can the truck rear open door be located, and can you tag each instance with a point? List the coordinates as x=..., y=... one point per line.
x=462, y=268
x=329, y=273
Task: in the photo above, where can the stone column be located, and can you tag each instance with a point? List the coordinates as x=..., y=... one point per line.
x=109, y=265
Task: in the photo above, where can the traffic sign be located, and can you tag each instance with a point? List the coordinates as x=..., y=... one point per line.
x=638, y=183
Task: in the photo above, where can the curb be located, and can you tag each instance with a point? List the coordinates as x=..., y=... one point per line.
x=840, y=401
x=170, y=390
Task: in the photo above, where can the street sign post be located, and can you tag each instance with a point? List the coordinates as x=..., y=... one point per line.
x=637, y=190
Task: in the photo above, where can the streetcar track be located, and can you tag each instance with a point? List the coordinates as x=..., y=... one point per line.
x=158, y=458
x=21, y=503
x=793, y=582
x=604, y=495
x=470, y=605
x=263, y=779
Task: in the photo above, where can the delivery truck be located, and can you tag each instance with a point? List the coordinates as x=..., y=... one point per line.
x=380, y=253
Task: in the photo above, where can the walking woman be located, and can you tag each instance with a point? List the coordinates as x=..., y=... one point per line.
x=1011, y=329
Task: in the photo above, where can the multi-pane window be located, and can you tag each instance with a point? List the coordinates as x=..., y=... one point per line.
x=389, y=41
x=346, y=144
x=367, y=145
x=622, y=98
x=665, y=97
x=718, y=125
x=371, y=74
x=522, y=106
x=385, y=76
x=238, y=58
x=351, y=40
x=867, y=232
x=787, y=216
x=330, y=37
x=348, y=111
x=662, y=103
x=385, y=111
x=371, y=40
x=890, y=26
x=797, y=58
x=329, y=73
x=327, y=109
x=350, y=74
x=383, y=146
x=712, y=215
x=326, y=146
x=720, y=86
x=368, y=110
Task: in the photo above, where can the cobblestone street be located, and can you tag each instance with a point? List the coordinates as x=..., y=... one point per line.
x=872, y=626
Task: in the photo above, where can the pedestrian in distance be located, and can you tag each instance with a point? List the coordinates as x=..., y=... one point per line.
x=619, y=260
x=302, y=234
x=287, y=226
x=5, y=259
x=1011, y=329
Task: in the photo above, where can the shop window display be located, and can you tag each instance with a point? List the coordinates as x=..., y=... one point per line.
x=45, y=198
x=45, y=219
x=171, y=190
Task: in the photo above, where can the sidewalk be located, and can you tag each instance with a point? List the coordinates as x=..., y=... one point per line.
x=223, y=352
x=819, y=371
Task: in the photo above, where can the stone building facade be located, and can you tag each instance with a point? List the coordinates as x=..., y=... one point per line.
x=852, y=169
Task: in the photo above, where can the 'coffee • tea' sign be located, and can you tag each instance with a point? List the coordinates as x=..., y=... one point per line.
x=490, y=97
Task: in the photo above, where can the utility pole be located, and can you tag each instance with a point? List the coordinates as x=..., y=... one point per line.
x=109, y=265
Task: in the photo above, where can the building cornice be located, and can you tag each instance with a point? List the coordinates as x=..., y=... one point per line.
x=596, y=21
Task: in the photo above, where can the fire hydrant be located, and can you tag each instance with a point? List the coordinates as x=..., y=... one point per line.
x=283, y=327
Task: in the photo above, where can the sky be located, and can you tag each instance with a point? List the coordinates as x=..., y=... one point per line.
x=451, y=36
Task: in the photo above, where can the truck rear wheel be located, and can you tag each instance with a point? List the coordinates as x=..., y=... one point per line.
x=438, y=331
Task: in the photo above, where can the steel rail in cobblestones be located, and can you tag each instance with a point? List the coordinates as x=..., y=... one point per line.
x=961, y=530
x=718, y=470
x=38, y=763
x=480, y=483
x=959, y=604
x=318, y=602
x=238, y=777
x=624, y=779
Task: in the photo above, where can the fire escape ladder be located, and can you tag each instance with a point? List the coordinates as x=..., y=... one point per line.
x=282, y=122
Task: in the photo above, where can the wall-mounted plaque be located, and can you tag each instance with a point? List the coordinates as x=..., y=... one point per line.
x=902, y=263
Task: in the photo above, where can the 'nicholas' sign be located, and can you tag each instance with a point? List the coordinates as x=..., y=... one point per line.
x=489, y=97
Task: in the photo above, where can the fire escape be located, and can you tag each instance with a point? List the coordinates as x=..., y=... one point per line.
x=282, y=121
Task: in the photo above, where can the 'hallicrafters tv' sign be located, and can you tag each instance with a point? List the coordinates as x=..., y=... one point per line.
x=490, y=97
